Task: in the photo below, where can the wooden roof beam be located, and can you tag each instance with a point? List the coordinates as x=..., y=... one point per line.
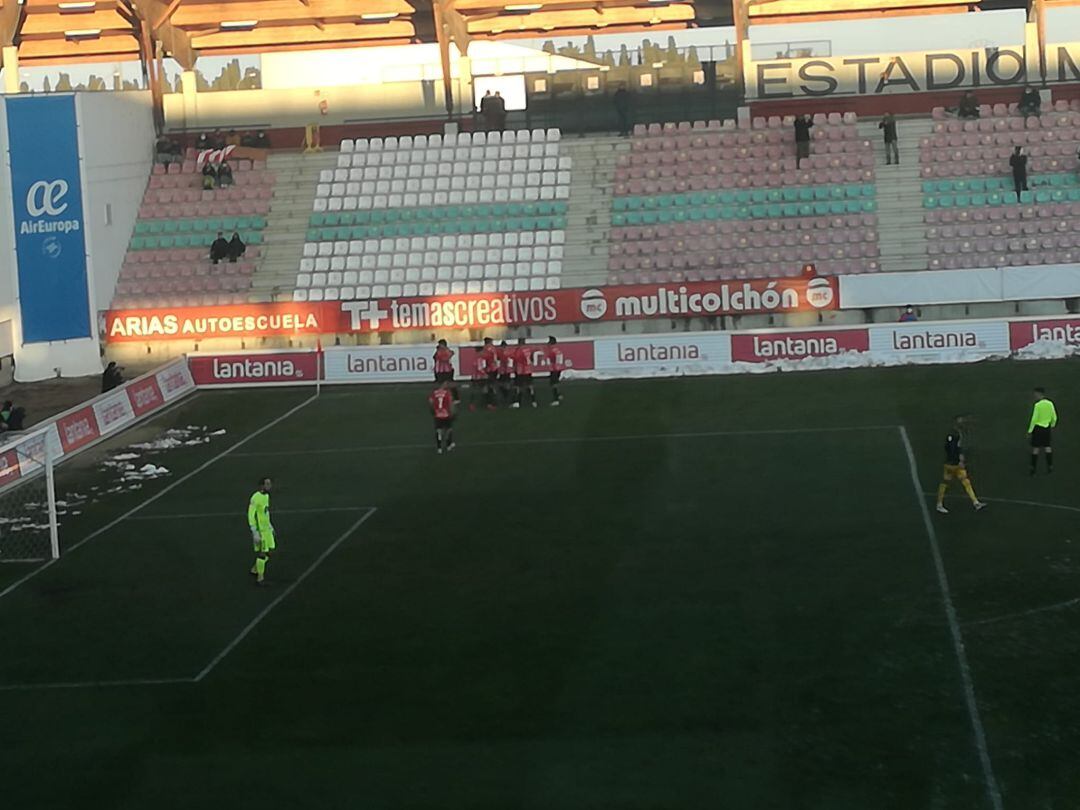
x=174, y=40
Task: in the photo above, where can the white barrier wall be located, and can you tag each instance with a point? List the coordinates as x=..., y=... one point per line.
x=116, y=133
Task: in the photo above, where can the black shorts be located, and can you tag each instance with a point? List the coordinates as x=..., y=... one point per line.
x=504, y=379
x=444, y=424
x=444, y=376
x=555, y=377
x=492, y=378
x=1040, y=437
x=523, y=380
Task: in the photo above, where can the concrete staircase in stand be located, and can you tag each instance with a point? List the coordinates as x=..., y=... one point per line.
x=902, y=234
x=297, y=175
x=588, y=221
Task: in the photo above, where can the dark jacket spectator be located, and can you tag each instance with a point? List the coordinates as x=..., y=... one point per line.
x=969, y=106
x=202, y=142
x=892, y=148
x=219, y=249
x=1030, y=101
x=232, y=139
x=1018, y=160
x=498, y=108
x=111, y=377
x=802, y=138
x=217, y=140
x=247, y=139
x=908, y=315
x=487, y=115
x=11, y=417
x=209, y=175
x=261, y=141
x=621, y=100
x=237, y=247
x=224, y=174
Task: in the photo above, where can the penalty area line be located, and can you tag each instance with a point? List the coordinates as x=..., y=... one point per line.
x=631, y=437
x=143, y=504
x=989, y=780
x=27, y=687
x=232, y=645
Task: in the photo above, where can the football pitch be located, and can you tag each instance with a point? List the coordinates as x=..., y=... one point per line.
x=718, y=592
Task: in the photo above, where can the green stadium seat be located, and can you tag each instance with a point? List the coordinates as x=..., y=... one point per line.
x=774, y=195
x=759, y=211
x=758, y=195
x=169, y=226
x=790, y=210
x=138, y=243
x=790, y=195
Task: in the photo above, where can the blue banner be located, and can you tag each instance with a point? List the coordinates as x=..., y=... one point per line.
x=46, y=192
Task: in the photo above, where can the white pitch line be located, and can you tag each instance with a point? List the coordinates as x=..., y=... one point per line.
x=989, y=780
x=1008, y=617
x=266, y=610
x=570, y=440
x=1038, y=504
x=234, y=513
x=142, y=505
x=27, y=687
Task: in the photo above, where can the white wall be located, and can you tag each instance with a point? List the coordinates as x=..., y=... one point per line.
x=8, y=286
x=116, y=138
x=1063, y=23
x=899, y=34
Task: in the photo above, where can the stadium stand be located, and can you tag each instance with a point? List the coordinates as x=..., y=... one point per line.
x=972, y=215
x=167, y=260
x=711, y=200
x=436, y=215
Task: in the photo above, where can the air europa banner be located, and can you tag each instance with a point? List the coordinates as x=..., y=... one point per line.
x=575, y=305
x=46, y=194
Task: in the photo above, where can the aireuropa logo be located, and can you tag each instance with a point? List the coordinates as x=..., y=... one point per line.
x=45, y=198
x=593, y=304
x=44, y=202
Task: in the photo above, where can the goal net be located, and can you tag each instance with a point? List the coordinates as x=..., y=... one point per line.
x=28, y=523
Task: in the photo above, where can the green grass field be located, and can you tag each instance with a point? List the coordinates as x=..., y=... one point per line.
x=692, y=593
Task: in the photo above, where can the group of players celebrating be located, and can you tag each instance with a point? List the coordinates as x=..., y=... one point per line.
x=501, y=375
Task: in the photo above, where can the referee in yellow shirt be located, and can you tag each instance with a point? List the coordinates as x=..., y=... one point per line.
x=1043, y=419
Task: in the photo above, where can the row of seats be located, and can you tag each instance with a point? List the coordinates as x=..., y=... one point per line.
x=743, y=212
x=790, y=194
x=762, y=263
x=960, y=254
x=1047, y=215
x=184, y=240
x=439, y=269
x=411, y=142
x=212, y=224
x=997, y=198
x=141, y=272
x=427, y=199
x=191, y=166
x=378, y=162
x=404, y=245
x=867, y=222
x=258, y=179
x=179, y=256
x=427, y=289
x=541, y=260
x=712, y=177
x=184, y=284
x=1005, y=110
x=476, y=161
x=449, y=228
x=369, y=190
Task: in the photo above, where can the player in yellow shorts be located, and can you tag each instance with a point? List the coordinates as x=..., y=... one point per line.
x=262, y=530
x=954, y=468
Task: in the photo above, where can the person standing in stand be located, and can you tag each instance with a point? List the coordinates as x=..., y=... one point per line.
x=444, y=368
x=490, y=356
x=523, y=374
x=556, y=364
x=441, y=401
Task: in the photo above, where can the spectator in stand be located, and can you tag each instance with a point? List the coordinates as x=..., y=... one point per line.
x=166, y=150
x=621, y=100
x=111, y=377
x=232, y=139
x=969, y=106
x=486, y=113
x=1030, y=102
x=219, y=249
x=202, y=142
x=261, y=141
x=908, y=315
x=802, y=138
x=224, y=174
x=1019, y=162
x=237, y=248
x=11, y=418
x=498, y=105
x=892, y=148
x=217, y=140
x=209, y=176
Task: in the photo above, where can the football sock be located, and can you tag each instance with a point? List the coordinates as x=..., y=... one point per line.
x=260, y=568
x=969, y=490
x=438, y=440
x=941, y=493
x=1034, y=461
x=555, y=393
x=449, y=437
x=1049, y=460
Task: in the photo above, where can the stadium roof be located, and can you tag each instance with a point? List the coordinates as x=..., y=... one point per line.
x=69, y=31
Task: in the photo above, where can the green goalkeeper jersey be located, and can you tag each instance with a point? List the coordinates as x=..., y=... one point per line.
x=259, y=513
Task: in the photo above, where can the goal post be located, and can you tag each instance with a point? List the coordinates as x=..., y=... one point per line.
x=29, y=520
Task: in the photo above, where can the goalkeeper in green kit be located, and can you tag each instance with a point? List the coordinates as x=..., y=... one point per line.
x=262, y=530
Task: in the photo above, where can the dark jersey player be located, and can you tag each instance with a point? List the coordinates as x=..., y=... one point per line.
x=490, y=356
x=444, y=367
x=523, y=374
x=441, y=401
x=955, y=468
x=557, y=365
x=506, y=371
x=478, y=388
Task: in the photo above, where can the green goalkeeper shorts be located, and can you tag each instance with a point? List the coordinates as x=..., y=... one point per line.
x=265, y=542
